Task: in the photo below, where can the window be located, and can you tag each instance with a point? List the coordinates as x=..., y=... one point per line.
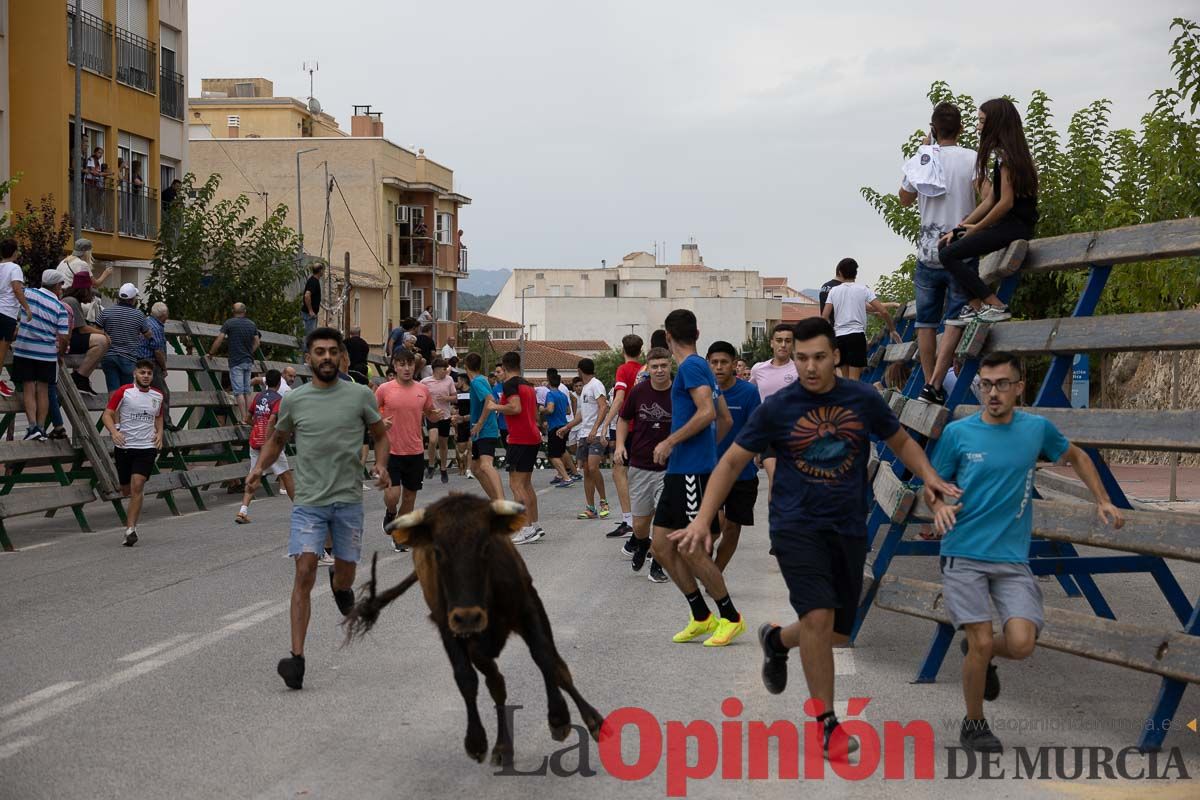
x=612, y=289
x=243, y=90
x=442, y=304
x=389, y=249
x=662, y=288
x=133, y=16
x=136, y=199
x=168, y=171
x=171, y=90
x=569, y=290
x=418, y=301
x=556, y=291
x=758, y=330
x=357, y=319
x=136, y=55
x=445, y=228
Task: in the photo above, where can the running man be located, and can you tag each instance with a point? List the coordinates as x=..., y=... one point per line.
x=690, y=453
x=589, y=416
x=821, y=426
x=742, y=398
x=644, y=422
x=770, y=377
x=556, y=408
x=985, y=553
x=327, y=417
x=403, y=404
x=442, y=390
x=264, y=409
x=849, y=302
x=134, y=419
x=484, y=431
x=519, y=404
x=462, y=427
x=627, y=374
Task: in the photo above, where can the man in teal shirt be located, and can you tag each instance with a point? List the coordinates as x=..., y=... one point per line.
x=485, y=436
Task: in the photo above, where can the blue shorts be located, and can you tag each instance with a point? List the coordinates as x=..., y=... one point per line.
x=312, y=524
x=239, y=377
x=935, y=286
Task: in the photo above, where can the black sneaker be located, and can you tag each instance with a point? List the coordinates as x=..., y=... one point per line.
x=991, y=686
x=932, y=395
x=774, y=668
x=639, y=549
x=130, y=538
x=343, y=597
x=657, y=573
x=627, y=549
x=82, y=384
x=843, y=746
x=388, y=516
x=445, y=476
x=976, y=735
x=429, y=473
x=621, y=530
x=291, y=669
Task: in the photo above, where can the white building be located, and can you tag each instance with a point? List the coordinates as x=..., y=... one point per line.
x=636, y=297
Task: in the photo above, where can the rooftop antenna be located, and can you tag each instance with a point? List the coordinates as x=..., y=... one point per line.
x=311, y=67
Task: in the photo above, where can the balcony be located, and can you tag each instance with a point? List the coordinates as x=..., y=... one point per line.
x=462, y=259
x=137, y=61
x=416, y=251
x=98, y=203
x=137, y=208
x=171, y=94
x=96, y=38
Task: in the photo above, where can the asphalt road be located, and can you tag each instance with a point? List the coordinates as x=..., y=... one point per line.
x=150, y=672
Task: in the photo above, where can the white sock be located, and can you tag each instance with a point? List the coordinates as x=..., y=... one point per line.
x=130, y=530
x=627, y=518
x=244, y=509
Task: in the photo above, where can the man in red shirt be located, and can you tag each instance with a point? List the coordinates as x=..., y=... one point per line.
x=261, y=419
x=518, y=404
x=402, y=404
x=627, y=375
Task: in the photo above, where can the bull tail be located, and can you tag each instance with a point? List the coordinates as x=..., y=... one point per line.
x=365, y=613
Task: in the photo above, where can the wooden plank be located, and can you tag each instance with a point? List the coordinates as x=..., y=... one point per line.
x=1002, y=263
x=896, y=401
x=1120, y=429
x=910, y=311
x=1169, y=653
x=302, y=370
x=46, y=498
x=36, y=452
x=163, y=482
x=904, y=351
x=74, y=408
x=1177, y=238
x=1120, y=333
x=876, y=357
x=974, y=338
x=892, y=495
x=197, y=437
x=198, y=478
x=278, y=339
x=175, y=361
x=924, y=418
x=206, y=329
x=202, y=399
x=872, y=464
x=1154, y=533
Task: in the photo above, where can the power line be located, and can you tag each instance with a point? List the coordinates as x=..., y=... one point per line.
x=360, y=233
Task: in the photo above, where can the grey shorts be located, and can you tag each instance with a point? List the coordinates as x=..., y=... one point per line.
x=645, y=487
x=968, y=584
x=588, y=449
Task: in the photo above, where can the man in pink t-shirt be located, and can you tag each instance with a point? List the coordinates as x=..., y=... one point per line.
x=771, y=376
x=445, y=396
x=402, y=404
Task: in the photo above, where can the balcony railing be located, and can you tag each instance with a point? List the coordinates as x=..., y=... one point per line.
x=137, y=61
x=98, y=203
x=96, y=38
x=415, y=251
x=137, y=212
x=462, y=259
x=171, y=95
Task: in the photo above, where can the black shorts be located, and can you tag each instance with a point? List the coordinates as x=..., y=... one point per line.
x=462, y=433
x=442, y=426
x=407, y=472
x=79, y=343
x=739, y=505
x=680, y=501
x=30, y=370
x=134, y=461
x=484, y=447
x=8, y=328
x=555, y=445
x=853, y=349
x=768, y=453
x=504, y=437
x=824, y=570
x=521, y=457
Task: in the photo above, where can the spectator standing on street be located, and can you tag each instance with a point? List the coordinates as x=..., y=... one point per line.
x=358, y=350
x=310, y=302
x=244, y=339
x=127, y=328
x=12, y=302
x=327, y=417
x=850, y=302
x=261, y=419
x=154, y=349
x=134, y=419
x=40, y=339
x=86, y=339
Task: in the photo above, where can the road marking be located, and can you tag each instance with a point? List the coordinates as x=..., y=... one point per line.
x=90, y=691
x=17, y=745
x=37, y=697
x=34, y=546
x=843, y=662
x=241, y=612
x=146, y=652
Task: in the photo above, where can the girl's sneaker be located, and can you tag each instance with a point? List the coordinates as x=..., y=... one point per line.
x=994, y=314
x=604, y=512
x=587, y=513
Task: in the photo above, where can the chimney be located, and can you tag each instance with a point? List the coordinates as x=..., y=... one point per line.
x=366, y=122
x=235, y=123
x=690, y=255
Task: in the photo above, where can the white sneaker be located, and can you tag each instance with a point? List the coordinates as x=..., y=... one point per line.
x=538, y=533
x=326, y=559
x=525, y=535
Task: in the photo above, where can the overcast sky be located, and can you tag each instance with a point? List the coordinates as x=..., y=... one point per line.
x=583, y=131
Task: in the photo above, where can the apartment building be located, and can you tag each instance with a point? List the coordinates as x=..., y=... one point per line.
x=635, y=297
x=133, y=55
x=395, y=212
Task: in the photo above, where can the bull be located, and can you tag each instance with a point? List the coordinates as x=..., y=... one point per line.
x=478, y=591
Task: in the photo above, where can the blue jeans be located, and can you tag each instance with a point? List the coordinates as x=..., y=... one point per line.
x=934, y=287
x=310, y=322
x=118, y=371
x=311, y=524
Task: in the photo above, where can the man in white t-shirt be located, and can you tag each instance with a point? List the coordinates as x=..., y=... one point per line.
x=12, y=301
x=771, y=376
x=848, y=304
x=589, y=416
x=939, y=215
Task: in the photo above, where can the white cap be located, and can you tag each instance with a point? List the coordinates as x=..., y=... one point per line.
x=128, y=291
x=52, y=277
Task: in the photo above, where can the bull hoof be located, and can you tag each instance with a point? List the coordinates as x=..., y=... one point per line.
x=593, y=721
x=502, y=755
x=560, y=732
x=476, y=746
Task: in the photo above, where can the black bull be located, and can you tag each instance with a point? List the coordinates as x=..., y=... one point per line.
x=478, y=592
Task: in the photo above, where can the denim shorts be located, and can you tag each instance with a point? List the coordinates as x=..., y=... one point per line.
x=311, y=524
x=239, y=377
x=935, y=287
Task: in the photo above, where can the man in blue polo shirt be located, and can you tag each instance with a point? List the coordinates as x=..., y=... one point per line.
x=742, y=398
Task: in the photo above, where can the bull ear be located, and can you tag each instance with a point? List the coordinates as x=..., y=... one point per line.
x=409, y=529
x=507, y=516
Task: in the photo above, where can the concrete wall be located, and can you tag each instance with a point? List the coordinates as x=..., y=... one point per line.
x=282, y=117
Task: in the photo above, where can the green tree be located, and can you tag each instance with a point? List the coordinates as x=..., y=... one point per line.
x=212, y=254
x=606, y=365
x=42, y=234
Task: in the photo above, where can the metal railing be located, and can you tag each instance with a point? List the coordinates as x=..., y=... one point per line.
x=137, y=61
x=98, y=203
x=171, y=94
x=96, y=39
x=137, y=211
x=416, y=251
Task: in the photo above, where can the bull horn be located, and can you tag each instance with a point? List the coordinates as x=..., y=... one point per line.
x=409, y=520
x=507, y=508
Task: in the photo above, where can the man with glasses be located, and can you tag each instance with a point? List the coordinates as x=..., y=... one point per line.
x=992, y=457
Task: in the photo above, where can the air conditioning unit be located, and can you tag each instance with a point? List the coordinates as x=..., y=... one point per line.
x=402, y=215
x=405, y=290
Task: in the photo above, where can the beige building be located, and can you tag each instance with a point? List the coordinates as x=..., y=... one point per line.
x=635, y=297
x=247, y=107
x=393, y=211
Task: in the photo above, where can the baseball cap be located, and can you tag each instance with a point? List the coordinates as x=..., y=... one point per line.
x=52, y=277
x=128, y=291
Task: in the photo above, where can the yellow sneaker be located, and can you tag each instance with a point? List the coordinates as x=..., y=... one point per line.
x=695, y=629
x=726, y=632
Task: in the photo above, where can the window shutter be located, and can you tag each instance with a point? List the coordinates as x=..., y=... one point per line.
x=95, y=7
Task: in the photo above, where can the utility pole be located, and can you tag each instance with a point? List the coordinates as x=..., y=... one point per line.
x=76, y=173
x=346, y=290
x=300, y=209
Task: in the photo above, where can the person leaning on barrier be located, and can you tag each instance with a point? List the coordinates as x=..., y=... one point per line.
x=155, y=349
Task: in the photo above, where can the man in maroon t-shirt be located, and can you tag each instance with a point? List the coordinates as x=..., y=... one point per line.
x=518, y=404
x=626, y=377
x=645, y=420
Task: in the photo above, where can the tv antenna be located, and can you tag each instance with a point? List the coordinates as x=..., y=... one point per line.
x=311, y=67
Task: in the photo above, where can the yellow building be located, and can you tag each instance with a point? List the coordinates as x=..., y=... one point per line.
x=394, y=212
x=134, y=55
x=247, y=107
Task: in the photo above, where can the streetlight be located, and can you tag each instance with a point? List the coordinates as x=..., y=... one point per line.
x=523, y=291
x=299, y=210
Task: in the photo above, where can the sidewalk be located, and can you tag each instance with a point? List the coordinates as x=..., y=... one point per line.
x=1150, y=482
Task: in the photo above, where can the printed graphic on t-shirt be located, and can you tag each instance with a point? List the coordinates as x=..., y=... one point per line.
x=826, y=440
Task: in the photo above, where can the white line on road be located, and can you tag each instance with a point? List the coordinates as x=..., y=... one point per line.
x=241, y=612
x=17, y=745
x=34, y=546
x=37, y=697
x=146, y=652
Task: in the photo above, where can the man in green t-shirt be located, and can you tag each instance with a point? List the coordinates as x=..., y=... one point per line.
x=327, y=416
